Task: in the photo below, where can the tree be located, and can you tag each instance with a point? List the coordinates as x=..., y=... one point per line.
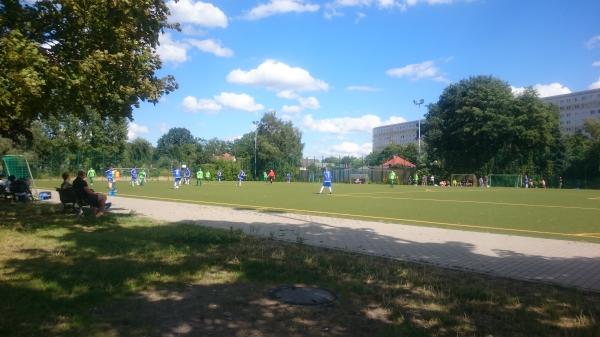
x=140, y=152
x=279, y=145
x=592, y=127
x=68, y=57
x=217, y=147
x=479, y=126
x=179, y=144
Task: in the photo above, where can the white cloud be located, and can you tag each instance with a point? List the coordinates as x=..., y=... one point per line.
x=198, y=13
x=303, y=103
x=309, y=103
x=171, y=51
x=280, y=7
x=343, y=125
x=332, y=8
x=211, y=46
x=394, y=120
x=595, y=85
x=291, y=109
x=163, y=127
x=411, y=3
x=359, y=17
x=351, y=149
x=278, y=76
x=238, y=101
x=596, y=64
x=418, y=71
x=192, y=104
x=134, y=130
x=287, y=94
x=191, y=30
x=176, y=51
x=365, y=3
x=225, y=99
x=364, y=88
x=593, y=42
x=545, y=90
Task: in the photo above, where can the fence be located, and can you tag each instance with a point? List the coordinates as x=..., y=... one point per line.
x=365, y=175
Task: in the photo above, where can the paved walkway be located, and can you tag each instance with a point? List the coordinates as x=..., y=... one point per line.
x=567, y=263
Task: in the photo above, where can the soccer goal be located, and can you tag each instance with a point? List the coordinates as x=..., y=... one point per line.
x=18, y=166
x=505, y=180
x=463, y=180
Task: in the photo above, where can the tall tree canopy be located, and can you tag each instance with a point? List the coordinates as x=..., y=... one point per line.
x=69, y=57
x=279, y=145
x=179, y=144
x=139, y=152
x=479, y=126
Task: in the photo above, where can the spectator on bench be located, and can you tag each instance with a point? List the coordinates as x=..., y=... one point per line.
x=3, y=185
x=11, y=180
x=66, y=183
x=20, y=189
x=96, y=200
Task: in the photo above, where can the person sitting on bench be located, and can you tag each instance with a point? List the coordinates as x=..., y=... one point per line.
x=66, y=183
x=20, y=189
x=96, y=200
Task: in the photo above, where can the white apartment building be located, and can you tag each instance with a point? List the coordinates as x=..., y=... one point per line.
x=401, y=133
x=575, y=108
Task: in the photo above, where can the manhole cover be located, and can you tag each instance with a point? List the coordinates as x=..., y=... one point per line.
x=302, y=295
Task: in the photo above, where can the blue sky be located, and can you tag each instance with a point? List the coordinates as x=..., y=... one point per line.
x=338, y=68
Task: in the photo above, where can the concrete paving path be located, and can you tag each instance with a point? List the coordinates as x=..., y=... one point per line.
x=567, y=263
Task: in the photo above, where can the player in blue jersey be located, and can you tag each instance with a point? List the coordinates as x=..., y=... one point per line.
x=186, y=174
x=241, y=177
x=326, y=181
x=134, y=176
x=176, y=177
x=109, y=178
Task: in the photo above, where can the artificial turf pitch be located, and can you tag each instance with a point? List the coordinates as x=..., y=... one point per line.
x=560, y=214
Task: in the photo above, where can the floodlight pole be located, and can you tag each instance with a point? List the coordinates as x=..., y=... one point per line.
x=418, y=103
x=256, y=123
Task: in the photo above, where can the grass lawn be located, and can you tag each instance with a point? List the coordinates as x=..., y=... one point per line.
x=560, y=214
x=122, y=275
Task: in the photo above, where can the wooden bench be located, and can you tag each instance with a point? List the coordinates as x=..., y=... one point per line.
x=69, y=200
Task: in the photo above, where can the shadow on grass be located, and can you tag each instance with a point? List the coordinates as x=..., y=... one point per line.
x=121, y=275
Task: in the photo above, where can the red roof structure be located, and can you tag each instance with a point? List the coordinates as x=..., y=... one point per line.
x=398, y=161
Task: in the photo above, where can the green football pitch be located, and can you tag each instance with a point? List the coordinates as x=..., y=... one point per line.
x=560, y=214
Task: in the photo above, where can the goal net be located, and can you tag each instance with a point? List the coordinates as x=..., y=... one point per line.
x=463, y=180
x=17, y=165
x=505, y=180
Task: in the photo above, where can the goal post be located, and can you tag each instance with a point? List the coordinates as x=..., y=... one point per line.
x=463, y=180
x=18, y=166
x=505, y=180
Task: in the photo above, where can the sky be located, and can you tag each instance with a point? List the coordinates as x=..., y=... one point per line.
x=338, y=68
